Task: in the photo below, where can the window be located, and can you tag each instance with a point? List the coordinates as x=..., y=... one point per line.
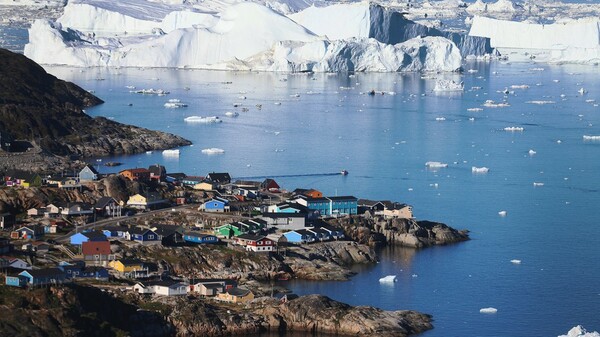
x=150, y=236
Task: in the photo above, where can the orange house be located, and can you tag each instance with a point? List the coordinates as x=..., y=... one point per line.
x=315, y=194
x=137, y=174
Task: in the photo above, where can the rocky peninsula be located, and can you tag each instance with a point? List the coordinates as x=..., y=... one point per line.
x=42, y=121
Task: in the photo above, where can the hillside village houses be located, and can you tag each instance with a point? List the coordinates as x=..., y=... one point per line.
x=278, y=219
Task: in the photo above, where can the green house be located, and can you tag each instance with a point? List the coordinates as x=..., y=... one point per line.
x=230, y=230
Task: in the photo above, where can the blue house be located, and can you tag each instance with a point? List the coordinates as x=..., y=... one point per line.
x=115, y=232
x=216, y=204
x=143, y=235
x=94, y=236
x=195, y=237
x=36, y=277
x=346, y=205
x=79, y=270
x=299, y=236
x=15, y=281
x=88, y=173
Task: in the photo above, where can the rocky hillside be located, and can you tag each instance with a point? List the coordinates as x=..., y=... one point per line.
x=377, y=231
x=47, y=112
x=319, y=261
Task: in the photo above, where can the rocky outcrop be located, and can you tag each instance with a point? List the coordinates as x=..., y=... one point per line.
x=74, y=310
x=377, y=231
x=43, y=113
x=320, y=314
x=320, y=261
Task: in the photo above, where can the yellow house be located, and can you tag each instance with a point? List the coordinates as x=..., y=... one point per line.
x=204, y=186
x=236, y=295
x=127, y=265
x=145, y=201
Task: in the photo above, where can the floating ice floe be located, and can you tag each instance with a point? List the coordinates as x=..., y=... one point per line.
x=532, y=152
x=513, y=128
x=582, y=91
x=435, y=164
x=388, y=279
x=175, y=104
x=440, y=119
x=489, y=310
x=474, y=109
x=204, y=120
x=536, y=184
x=519, y=86
x=515, y=261
x=213, y=150
x=231, y=114
x=491, y=104
x=148, y=152
x=479, y=169
x=580, y=331
x=502, y=213
x=173, y=153
x=159, y=92
x=442, y=85
x=540, y=102
x=588, y=137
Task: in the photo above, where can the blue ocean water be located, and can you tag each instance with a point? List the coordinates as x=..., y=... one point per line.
x=325, y=123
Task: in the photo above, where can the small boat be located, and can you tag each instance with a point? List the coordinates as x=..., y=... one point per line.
x=344, y=173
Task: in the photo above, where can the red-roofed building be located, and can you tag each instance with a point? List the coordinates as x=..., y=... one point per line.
x=96, y=250
x=136, y=174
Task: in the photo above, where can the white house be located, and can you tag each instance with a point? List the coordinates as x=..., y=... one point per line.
x=163, y=288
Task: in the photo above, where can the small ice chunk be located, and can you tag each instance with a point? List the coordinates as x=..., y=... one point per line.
x=231, y=114
x=587, y=137
x=388, y=279
x=448, y=85
x=515, y=261
x=582, y=91
x=483, y=169
x=435, y=164
x=514, y=128
x=213, y=150
x=489, y=310
x=536, y=184
x=532, y=152
x=474, y=109
x=502, y=213
x=440, y=119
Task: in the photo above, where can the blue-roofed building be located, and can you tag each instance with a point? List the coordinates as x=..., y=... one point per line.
x=333, y=206
x=300, y=236
x=216, y=204
x=143, y=235
x=196, y=237
x=80, y=238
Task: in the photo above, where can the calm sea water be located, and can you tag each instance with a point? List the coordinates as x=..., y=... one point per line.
x=324, y=124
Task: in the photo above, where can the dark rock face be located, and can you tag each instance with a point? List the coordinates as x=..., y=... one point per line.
x=320, y=314
x=37, y=107
x=377, y=231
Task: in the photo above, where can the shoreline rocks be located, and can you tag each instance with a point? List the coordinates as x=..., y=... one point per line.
x=378, y=231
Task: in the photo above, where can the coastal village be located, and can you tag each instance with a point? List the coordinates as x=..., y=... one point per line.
x=69, y=241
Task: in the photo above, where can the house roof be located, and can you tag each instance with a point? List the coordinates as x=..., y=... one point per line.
x=251, y=237
x=367, y=202
x=218, y=177
x=239, y=292
x=140, y=231
x=166, y=230
x=283, y=215
x=303, y=232
x=94, y=235
x=131, y=262
x=96, y=247
x=104, y=201
x=197, y=234
x=92, y=169
x=44, y=272
x=135, y=170
x=163, y=283
x=157, y=170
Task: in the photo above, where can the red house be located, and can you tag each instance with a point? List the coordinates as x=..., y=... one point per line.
x=96, y=250
x=256, y=243
x=270, y=185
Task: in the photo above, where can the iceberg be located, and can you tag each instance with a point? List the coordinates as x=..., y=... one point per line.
x=175, y=104
x=213, y=150
x=489, y=310
x=159, y=92
x=171, y=153
x=448, y=85
x=515, y=261
x=435, y=164
x=580, y=331
x=502, y=213
x=594, y=138
x=231, y=114
x=475, y=169
x=531, y=152
x=203, y=120
x=388, y=279
x=243, y=36
x=513, y=129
